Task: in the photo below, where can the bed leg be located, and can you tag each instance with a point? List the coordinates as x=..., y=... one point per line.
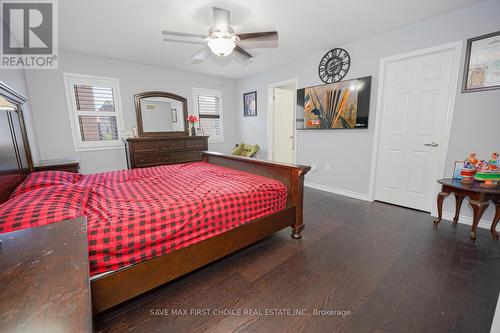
x=298, y=226
x=296, y=235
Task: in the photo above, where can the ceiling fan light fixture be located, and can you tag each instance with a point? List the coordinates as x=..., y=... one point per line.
x=221, y=44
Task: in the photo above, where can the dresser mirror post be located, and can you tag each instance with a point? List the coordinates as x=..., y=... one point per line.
x=162, y=114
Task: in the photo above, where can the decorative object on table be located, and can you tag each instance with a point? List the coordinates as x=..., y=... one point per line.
x=469, y=169
x=488, y=172
x=174, y=115
x=457, y=169
x=193, y=120
x=200, y=131
x=482, y=63
x=334, y=65
x=135, y=134
x=341, y=105
x=250, y=104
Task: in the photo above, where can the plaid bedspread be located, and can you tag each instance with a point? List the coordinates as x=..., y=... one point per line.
x=138, y=214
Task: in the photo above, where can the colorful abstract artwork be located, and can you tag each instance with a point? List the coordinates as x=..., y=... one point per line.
x=340, y=105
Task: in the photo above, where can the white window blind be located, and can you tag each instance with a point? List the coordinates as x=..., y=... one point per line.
x=208, y=105
x=94, y=108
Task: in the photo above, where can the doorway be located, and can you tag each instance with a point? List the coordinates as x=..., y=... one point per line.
x=415, y=105
x=281, y=121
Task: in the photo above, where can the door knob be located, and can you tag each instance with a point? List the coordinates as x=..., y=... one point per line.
x=431, y=144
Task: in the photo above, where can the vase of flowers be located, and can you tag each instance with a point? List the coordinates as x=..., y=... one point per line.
x=193, y=120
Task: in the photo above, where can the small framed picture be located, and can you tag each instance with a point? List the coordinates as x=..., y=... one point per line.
x=250, y=104
x=200, y=131
x=457, y=168
x=482, y=63
x=174, y=115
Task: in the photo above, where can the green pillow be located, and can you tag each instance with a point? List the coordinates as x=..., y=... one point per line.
x=250, y=150
x=238, y=149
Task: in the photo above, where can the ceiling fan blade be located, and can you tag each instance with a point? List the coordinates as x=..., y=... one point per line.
x=221, y=19
x=201, y=55
x=241, y=53
x=183, y=41
x=250, y=44
x=181, y=34
x=259, y=36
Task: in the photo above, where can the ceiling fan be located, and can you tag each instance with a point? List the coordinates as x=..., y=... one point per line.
x=222, y=39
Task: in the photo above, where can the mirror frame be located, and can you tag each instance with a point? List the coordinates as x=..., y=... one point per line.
x=140, y=129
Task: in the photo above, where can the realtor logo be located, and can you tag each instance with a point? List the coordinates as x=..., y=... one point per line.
x=29, y=34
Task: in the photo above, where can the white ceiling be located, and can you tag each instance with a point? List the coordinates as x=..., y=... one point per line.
x=130, y=30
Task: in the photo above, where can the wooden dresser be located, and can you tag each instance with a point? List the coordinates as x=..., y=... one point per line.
x=151, y=151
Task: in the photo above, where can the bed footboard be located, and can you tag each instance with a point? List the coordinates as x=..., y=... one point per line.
x=291, y=175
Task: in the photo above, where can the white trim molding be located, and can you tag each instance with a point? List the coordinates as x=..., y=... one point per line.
x=464, y=219
x=70, y=80
x=270, y=117
x=457, y=47
x=495, y=326
x=336, y=190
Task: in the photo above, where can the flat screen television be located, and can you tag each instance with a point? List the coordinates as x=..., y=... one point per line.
x=339, y=105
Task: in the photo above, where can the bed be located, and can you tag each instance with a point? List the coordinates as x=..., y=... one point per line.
x=149, y=226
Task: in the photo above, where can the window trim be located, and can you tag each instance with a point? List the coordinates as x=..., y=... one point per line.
x=70, y=79
x=215, y=93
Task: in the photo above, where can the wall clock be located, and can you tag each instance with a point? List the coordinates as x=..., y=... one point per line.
x=334, y=65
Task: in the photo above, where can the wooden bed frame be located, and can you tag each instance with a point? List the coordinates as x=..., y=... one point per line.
x=121, y=285
x=118, y=286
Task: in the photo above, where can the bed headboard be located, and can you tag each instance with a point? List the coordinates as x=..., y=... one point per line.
x=15, y=154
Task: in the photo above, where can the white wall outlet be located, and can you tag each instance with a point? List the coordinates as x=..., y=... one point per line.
x=328, y=167
x=314, y=167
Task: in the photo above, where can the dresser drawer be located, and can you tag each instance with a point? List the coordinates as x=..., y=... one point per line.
x=196, y=143
x=147, y=146
x=188, y=156
x=173, y=144
x=143, y=160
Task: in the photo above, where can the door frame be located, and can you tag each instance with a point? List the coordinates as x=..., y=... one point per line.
x=457, y=47
x=270, y=117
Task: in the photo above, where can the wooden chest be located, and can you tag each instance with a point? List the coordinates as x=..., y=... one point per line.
x=152, y=151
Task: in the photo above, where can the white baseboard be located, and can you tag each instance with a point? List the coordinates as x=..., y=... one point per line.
x=336, y=190
x=495, y=326
x=484, y=224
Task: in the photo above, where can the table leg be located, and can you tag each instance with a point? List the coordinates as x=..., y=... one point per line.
x=440, y=199
x=458, y=205
x=478, y=207
x=495, y=221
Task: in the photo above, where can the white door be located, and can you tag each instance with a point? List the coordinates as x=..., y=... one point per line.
x=283, y=133
x=414, y=107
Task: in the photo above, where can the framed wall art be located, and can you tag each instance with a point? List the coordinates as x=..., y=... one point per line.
x=482, y=63
x=339, y=105
x=250, y=104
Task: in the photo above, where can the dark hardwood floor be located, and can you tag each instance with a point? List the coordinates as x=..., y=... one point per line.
x=385, y=267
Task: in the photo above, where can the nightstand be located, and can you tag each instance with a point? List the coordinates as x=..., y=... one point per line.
x=44, y=274
x=67, y=164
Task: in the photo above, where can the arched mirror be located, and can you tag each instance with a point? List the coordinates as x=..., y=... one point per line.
x=161, y=114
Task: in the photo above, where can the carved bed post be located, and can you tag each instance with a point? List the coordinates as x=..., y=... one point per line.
x=298, y=184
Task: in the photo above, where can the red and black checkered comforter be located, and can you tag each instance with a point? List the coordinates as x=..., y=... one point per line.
x=138, y=214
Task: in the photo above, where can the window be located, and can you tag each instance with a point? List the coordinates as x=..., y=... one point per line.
x=95, y=111
x=208, y=106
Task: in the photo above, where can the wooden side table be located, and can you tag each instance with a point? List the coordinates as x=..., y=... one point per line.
x=68, y=165
x=479, y=198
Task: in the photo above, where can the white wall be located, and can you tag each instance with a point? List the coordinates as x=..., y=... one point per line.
x=16, y=79
x=476, y=119
x=51, y=118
